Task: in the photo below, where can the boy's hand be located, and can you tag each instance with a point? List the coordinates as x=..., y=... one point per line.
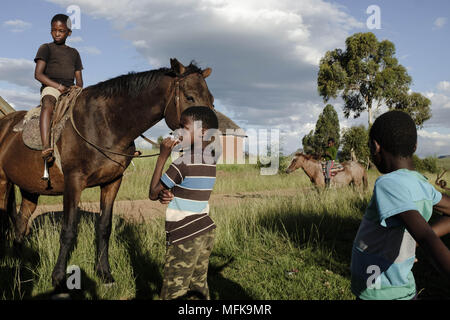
x=165, y=196
x=166, y=146
x=62, y=88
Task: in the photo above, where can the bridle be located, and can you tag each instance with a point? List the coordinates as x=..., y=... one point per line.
x=174, y=93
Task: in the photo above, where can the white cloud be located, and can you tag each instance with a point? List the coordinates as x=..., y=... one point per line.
x=440, y=22
x=444, y=86
x=76, y=39
x=264, y=54
x=17, y=25
x=20, y=100
x=90, y=50
x=19, y=72
x=432, y=143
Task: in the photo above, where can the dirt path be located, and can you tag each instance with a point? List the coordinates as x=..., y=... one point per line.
x=145, y=210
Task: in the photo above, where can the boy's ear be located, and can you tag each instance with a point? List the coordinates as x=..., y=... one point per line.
x=415, y=147
x=376, y=145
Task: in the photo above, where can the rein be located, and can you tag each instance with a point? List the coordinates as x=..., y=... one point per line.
x=175, y=91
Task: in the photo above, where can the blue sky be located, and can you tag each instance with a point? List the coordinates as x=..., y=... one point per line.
x=264, y=54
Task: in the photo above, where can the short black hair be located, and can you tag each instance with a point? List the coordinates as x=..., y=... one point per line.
x=395, y=132
x=331, y=139
x=204, y=114
x=63, y=18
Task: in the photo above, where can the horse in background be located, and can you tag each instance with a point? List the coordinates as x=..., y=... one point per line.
x=95, y=146
x=352, y=172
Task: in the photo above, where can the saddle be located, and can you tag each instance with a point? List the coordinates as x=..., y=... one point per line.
x=335, y=168
x=29, y=126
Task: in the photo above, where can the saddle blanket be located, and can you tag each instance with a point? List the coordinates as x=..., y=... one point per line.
x=335, y=168
x=29, y=126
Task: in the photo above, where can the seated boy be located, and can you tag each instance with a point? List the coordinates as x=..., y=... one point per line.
x=329, y=156
x=56, y=67
x=189, y=228
x=396, y=218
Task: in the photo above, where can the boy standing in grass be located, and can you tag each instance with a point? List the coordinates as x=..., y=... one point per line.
x=396, y=218
x=57, y=65
x=189, y=228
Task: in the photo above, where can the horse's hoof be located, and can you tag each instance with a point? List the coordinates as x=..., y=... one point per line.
x=106, y=278
x=109, y=285
x=60, y=296
x=17, y=247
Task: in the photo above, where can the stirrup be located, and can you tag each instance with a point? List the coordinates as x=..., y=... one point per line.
x=47, y=154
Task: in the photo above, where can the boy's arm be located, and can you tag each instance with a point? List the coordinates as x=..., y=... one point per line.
x=442, y=226
x=422, y=232
x=79, y=79
x=42, y=78
x=443, y=206
x=155, y=185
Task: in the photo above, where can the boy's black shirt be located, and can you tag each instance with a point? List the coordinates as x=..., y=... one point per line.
x=61, y=62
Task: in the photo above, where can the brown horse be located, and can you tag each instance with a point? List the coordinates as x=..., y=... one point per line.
x=353, y=172
x=110, y=115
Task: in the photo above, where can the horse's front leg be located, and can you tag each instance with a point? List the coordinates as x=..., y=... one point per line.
x=73, y=185
x=103, y=229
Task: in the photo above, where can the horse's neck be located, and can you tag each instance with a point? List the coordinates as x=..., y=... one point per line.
x=311, y=168
x=128, y=117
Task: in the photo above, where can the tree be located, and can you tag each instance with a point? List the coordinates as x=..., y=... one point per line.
x=327, y=126
x=367, y=75
x=355, y=140
x=158, y=141
x=309, y=144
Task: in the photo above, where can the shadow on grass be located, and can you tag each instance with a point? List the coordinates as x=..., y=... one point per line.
x=18, y=275
x=145, y=270
x=88, y=290
x=220, y=287
x=323, y=230
x=332, y=233
x=148, y=272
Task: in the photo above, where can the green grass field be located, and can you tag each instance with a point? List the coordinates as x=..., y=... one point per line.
x=257, y=241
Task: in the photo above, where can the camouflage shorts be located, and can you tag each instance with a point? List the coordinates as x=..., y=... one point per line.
x=186, y=267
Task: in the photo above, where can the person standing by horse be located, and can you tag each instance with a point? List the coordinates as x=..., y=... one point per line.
x=57, y=65
x=189, y=228
x=329, y=156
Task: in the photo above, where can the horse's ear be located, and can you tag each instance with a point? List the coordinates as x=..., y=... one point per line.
x=206, y=73
x=177, y=67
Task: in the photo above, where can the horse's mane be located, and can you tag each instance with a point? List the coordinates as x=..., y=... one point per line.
x=133, y=83
x=307, y=156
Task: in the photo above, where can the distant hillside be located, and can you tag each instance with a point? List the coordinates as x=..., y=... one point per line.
x=443, y=157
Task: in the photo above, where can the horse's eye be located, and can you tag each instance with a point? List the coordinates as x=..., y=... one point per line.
x=190, y=99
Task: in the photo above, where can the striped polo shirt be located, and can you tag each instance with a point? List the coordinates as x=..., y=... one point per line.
x=187, y=215
x=384, y=251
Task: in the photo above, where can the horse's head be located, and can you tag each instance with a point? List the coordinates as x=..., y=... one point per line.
x=189, y=89
x=441, y=182
x=297, y=162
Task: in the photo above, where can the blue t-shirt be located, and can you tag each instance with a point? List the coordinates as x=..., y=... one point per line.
x=383, y=251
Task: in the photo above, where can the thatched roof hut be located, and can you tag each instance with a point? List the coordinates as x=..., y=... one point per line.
x=232, y=139
x=5, y=108
x=226, y=123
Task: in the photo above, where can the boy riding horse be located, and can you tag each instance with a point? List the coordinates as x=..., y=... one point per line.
x=56, y=67
x=330, y=157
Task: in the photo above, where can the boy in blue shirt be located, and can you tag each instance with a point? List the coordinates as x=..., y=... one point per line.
x=396, y=218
